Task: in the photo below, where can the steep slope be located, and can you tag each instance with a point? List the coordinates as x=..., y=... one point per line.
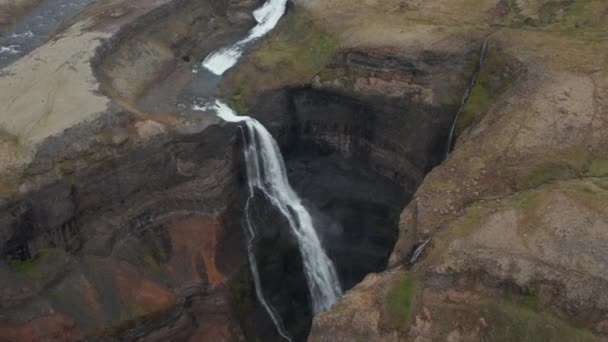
x=516, y=216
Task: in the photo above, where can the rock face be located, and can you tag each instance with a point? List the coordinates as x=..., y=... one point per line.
x=515, y=215
x=140, y=236
x=120, y=207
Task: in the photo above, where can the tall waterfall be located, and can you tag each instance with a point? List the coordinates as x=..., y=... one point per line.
x=266, y=172
x=467, y=94
x=267, y=18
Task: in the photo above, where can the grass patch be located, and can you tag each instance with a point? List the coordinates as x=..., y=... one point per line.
x=546, y=173
x=495, y=76
x=40, y=267
x=601, y=183
x=302, y=45
x=548, y=12
x=399, y=301
x=528, y=204
x=292, y=54
x=471, y=221
x=598, y=168
x=530, y=299
x=518, y=322
x=238, y=101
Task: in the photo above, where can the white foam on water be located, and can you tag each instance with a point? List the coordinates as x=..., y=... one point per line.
x=26, y=34
x=266, y=172
x=267, y=18
x=10, y=50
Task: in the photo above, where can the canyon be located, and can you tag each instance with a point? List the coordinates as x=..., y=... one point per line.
x=124, y=200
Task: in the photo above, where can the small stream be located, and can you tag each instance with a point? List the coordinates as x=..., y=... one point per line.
x=37, y=27
x=465, y=98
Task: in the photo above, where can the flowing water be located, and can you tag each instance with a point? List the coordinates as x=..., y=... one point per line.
x=37, y=27
x=467, y=94
x=267, y=18
x=266, y=172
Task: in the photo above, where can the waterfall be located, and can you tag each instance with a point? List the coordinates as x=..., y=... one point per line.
x=267, y=18
x=467, y=94
x=419, y=251
x=266, y=172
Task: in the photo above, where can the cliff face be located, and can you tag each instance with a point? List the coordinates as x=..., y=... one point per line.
x=516, y=215
x=120, y=211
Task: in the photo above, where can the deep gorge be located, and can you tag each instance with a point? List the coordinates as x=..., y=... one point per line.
x=164, y=218
x=136, y=209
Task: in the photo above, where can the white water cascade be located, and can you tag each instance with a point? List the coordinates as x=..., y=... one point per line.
x=267, y=18
x=266, y=172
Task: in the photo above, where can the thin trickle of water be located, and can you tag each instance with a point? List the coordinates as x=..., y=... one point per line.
x=253, y=267
x=467, y=94
x=266, y=172
x=419, y=251
x=267, y=18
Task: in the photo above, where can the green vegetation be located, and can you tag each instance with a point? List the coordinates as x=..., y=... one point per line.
x=466, y=225
x=530, y=300
x=548, y=12
x=495, y=77
x=238, y=102
x=601, y=183
x=584, y=14
x=293, y=53
x=138, y=310
x=528, y=204
x=598, y=168
x=514, y=16
x=519, y=322
x=399, y=301
x=546, y=173
x=565, y=165
x=37, y=266
x=299, y=43
x=558, y=15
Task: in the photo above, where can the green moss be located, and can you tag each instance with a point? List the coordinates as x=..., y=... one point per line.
x=300, y=43
x=601, y=183
x=494, y=78
x=151, y=263
x=548, y=12
x=528, y=204
x=471, y=221
x=519, y=322
x=598, y=168
x=138, y=310
x=37, y=266
x=296, y=51
x=546, y=173
x=399, y=302
x=238, y=101
x=530, y=300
